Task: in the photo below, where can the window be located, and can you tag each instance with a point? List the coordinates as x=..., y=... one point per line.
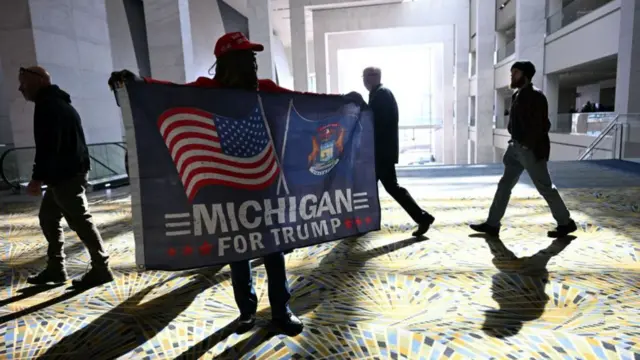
x=416, y=84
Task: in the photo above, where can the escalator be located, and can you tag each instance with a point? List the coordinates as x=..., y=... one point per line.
x=108, y=166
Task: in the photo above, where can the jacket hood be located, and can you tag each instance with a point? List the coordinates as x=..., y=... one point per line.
x=54, y=91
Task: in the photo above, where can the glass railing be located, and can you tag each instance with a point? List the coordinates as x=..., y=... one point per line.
x=415, y=122
x=506, y=51
x=572, y=12
x=417, y=144
x=500, y=122
x=629, y=135
x=591, y=124
x=107, y=162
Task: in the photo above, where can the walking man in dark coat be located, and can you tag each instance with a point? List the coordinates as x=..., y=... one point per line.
x=62, y=163
x=385, y=116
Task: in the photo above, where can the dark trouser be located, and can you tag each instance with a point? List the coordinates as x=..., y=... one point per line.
x=516, y=160
x=386, y=173
x=69, y=199
x=245, y=294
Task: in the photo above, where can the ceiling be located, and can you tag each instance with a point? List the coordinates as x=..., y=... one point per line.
x=280, y=18
x=590, y=73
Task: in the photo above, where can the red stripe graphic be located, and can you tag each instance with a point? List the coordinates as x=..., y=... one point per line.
x=196, y=149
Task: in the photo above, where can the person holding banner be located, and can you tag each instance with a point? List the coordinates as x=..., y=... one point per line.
x=236, y=68
x=385, y=116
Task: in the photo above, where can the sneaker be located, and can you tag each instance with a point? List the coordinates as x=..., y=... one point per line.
x=563, y=230
x=290, y=325
x=94, y=277
x=424, y=226
x=245, y=323
x=485, y=229
x=50, y=275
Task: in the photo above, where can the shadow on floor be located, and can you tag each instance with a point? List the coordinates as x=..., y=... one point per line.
x=519, y=287
x=132, y=323
x=302, y=302
x=108, y=231
x=28, y=292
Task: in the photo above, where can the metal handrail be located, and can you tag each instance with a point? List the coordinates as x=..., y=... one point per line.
x=103, y=165
x=603, y=134
x=17, y=187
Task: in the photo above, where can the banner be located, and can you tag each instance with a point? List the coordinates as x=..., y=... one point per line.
x=220, y=176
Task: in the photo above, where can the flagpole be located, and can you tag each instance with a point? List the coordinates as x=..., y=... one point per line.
x=273, y=145
x=284, y=142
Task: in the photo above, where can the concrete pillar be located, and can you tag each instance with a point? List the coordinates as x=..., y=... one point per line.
x=71, y=40
x=169, y=39
x=261, y=31
x=332, y=57
x=123, y=51
x=6, y=134
x=552, y=91
x=297, y=20
x=206, y=27
x=181, y=36
x=531, y=27
x=462, y=85
x=628, y=76
x=498, y=109
x=448, y=126
x=485, y=93
x=320, y=58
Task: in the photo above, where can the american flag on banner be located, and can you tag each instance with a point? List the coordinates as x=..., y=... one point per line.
x=208, y=149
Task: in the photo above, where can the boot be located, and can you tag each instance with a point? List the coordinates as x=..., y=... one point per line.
x=485, y=229
x=290, y=324
x=97, y=276
x=563, y=230
x=424, y=225
x=245, y=323
x=52, y=274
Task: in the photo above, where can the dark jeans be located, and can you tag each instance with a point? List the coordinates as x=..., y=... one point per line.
x=516, y=160
x=69, y=199
x=386, y=173
x=245, y=294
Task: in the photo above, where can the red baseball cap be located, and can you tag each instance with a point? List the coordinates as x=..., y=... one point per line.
x=234, y=41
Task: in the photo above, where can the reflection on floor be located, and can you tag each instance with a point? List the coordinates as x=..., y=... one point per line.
x=383, y=296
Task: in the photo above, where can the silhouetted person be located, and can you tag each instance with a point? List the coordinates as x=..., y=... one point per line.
x=62, y=163
x=236, y=68
x=528, y=150
x=519, y=287
x=385, y=117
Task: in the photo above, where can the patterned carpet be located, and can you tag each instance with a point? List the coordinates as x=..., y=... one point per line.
x=383, y=296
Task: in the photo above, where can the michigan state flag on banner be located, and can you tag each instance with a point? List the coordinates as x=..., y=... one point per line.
x=224, y=175
x=321, y=148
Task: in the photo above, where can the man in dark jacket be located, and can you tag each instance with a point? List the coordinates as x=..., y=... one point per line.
x=385, y=117
x=528, y=150
x=61, y=163
x=236, y=68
